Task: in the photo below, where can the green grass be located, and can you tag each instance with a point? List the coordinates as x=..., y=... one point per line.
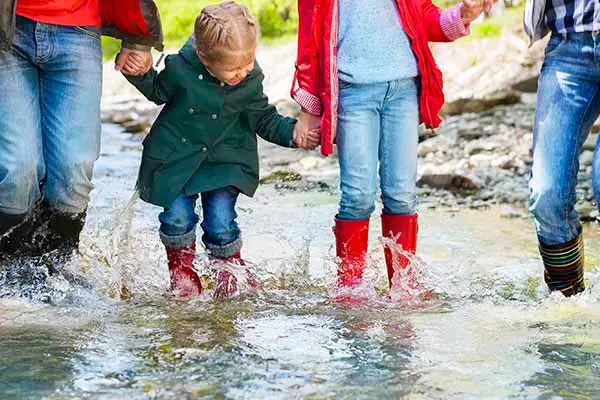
x=493, y=27
x=277, y=18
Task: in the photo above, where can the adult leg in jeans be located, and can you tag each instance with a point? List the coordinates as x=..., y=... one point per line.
x=70, y=90
x=358, y=143
x=568, y=104
x=21, y=161
x=178, y=234
x=398, y=172
x=222, y=235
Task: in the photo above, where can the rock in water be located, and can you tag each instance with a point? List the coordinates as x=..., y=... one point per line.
x=450, y=182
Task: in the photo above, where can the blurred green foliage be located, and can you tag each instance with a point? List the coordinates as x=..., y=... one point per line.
x=277, y=18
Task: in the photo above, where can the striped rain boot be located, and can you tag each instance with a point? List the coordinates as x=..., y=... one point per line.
x=563, y=266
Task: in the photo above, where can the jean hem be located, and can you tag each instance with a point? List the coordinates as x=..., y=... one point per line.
x=178, y=241
x=224, y=251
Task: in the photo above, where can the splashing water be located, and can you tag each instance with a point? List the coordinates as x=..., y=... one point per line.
x=491, y=329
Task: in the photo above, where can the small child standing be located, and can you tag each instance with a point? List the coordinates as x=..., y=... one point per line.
x=203, y=143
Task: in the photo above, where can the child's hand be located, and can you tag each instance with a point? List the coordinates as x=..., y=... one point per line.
x=471, y=9
x=133, y=62
x=313, y=138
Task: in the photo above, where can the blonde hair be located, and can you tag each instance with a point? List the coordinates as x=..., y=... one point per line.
x=225, y=30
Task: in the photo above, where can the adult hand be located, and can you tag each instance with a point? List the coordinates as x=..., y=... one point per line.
x=133, y=62
x=471, y=9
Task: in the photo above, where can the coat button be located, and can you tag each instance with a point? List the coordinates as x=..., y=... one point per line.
x=190, y=110
x=200, y=76
x=222, y=84
x=214, y=116
x=183, y=140
x=204, y=149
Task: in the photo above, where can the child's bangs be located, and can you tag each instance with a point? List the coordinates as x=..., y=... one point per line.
x=235, y=58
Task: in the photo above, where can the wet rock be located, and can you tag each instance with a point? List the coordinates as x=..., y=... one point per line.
x=281, y=176
x=596, y=126
x=450, y=182
x=527, y=85
x=504, y=162
x=470, y=131
x=476, y=105
x=586, y=158
x=482, y=160
x=138, y=126
x=587, y=211
x=120, y=118
x=590, y=142
x=511, y=212
x=288, y=108
x=434, y=145
x=479, y=146
x=426, y=134
x=312, y=163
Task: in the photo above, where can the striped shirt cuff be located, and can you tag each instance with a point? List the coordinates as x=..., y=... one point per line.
x=452, y=23
x=309, y=102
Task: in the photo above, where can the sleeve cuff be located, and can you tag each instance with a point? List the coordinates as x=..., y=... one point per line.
x=135, y=46
x=309, y=102
x=288, y=139
x=452, y=23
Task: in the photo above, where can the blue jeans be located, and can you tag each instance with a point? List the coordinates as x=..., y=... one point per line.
x=377, y=123
x=568, y=105
x=221, y=232
x=51, y=83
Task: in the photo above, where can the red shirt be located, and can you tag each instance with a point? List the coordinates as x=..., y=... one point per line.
x=61, y=12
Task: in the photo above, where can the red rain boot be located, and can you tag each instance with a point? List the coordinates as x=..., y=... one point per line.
x=403, y=230
x=351, y=238
x=185, y=282
x=227, y=282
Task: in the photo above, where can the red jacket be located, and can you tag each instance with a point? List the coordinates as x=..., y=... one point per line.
x=136, y=22
x=315, y=85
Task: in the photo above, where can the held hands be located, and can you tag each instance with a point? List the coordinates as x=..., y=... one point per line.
x=133, y=62
x=471, y=9
x=307, y=132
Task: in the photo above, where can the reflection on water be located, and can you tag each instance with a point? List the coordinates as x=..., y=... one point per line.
x=490, y=331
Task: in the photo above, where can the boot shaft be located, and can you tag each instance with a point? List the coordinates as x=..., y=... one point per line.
x=181, y=257
x=185, y=282
x=400, y=233
x=351, y=238
x=563, y=266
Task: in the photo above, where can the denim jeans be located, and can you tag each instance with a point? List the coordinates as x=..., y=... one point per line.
x=568, y=104
x=377, y=124
x=221, y=232
x=51, y=83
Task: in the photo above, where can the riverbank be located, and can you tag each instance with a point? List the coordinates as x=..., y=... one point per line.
x=479, y=157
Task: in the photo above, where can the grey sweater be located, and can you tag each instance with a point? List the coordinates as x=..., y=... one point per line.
x=372, y=44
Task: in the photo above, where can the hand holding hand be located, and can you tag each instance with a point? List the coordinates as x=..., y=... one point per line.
x=133, y=62
x=307, y=133
x=308, y=140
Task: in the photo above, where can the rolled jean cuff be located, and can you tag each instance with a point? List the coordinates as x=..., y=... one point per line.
x=226, y=250
x=178, y=241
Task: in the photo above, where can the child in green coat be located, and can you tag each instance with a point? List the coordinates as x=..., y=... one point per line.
x=203, y=143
